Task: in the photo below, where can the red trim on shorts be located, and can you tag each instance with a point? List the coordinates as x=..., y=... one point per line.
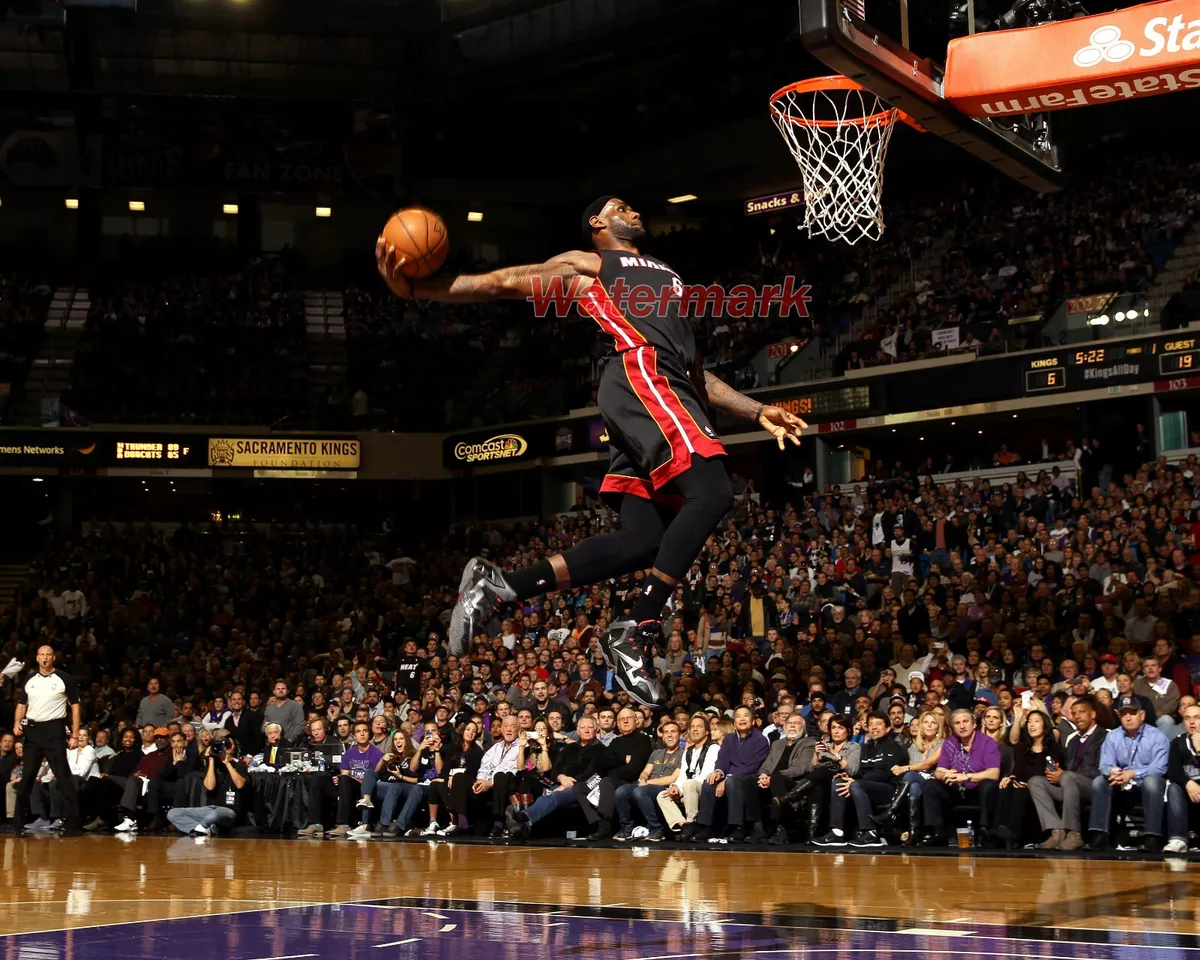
x=678, y=427
x=637, y=487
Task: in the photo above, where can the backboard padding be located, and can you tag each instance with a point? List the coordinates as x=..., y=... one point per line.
x=855, y=49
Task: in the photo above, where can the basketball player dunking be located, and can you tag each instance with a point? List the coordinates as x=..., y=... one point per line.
x=666, y=469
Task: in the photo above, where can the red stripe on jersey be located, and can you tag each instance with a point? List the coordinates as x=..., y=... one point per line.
x=598, y=305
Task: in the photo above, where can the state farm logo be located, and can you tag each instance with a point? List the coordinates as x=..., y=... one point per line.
x=1162, y=35
x=1106, y=45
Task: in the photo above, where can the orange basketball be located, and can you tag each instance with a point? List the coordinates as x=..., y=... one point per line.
x=420, y=236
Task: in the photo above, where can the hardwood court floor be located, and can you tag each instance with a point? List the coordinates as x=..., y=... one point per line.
x=250, y=899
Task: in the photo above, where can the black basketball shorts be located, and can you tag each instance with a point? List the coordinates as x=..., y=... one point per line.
x=655, y=421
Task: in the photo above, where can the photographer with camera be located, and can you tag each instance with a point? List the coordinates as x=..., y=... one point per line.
x=224, y=782
x=835, y=754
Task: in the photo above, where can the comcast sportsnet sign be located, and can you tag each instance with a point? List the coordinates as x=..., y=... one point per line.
x=1136, y=52
x=504, y=446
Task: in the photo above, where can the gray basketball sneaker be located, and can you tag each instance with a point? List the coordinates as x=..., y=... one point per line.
x=629, y=648
x=482, y=590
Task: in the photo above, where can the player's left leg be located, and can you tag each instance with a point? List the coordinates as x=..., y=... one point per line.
x=630, y=645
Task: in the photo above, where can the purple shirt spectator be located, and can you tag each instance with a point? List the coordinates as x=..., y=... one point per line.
x=984, y=754
x=356, y=763
x=742, y=758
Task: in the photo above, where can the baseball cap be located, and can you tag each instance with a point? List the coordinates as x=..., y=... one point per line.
x=161, y=732
x=779, y=675
x=1078, y=679
x=1109, y=658
x=1127, y=703
x=918, y=674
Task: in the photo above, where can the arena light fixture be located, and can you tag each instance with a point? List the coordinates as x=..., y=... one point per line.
x=137, y=206
x=682, y=198
x=474, y=216
x=72, y=203
x=1146, y=312
x=794, y=348
x=229, y=208
x=37, y=479
x=324, y=211
x=1100, y=321
x=1120, y=315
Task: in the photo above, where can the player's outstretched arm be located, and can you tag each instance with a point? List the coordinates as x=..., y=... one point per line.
x=507, y=283
x=775, y=420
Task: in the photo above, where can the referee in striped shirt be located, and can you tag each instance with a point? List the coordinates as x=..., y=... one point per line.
x=42, y=707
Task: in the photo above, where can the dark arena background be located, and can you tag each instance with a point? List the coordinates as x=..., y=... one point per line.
x=929, y=688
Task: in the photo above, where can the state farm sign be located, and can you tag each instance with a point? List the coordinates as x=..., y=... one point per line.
x=1140, y=51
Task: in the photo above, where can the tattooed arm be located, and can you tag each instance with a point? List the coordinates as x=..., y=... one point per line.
x=775, y=420
x=512, y=283
x=724, y=398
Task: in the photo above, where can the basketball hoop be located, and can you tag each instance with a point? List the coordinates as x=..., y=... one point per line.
x=838, y=133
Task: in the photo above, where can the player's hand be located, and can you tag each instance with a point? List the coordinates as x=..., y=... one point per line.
x=389, y=263
x=781, y=425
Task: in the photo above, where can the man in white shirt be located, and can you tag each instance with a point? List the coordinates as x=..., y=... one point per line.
x=497, y=772
x=901, y=550
x=74, y=603
x=698, y=762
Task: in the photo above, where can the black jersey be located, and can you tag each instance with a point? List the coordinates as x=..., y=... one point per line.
x=636, y=300
x=408, y=676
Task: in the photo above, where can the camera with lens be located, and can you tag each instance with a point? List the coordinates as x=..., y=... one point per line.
x=1033, y=13
x=1022, y=13
x=217, y=749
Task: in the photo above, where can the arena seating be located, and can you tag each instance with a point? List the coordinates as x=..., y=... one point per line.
x=23, y=304
x=223, y=346
x=1014, y=570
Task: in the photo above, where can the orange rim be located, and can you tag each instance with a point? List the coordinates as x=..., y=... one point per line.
x=836, y=82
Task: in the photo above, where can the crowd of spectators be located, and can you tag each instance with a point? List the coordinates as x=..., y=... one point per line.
x=221, y=343
x=1019, y=256
x=871, y=665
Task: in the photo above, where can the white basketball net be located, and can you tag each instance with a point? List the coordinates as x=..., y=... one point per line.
x=840, y=158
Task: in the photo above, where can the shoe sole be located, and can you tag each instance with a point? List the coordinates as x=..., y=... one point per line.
x=868, y=846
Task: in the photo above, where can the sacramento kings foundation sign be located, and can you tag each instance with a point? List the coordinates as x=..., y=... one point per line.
x=278, y=453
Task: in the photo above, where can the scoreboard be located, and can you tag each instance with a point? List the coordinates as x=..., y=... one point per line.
x=1083, y=367
x=828, y=404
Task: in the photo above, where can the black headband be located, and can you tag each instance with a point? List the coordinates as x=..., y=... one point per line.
x=594, y=209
